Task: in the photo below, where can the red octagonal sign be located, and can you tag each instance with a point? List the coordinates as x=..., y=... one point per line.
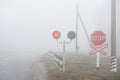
x=98, y=38
x=56, y=34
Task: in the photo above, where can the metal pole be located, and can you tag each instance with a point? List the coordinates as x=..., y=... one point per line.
x=63, y=46
x=113, y=37
x=63, y=55
x=98, y=61
x=76, y=48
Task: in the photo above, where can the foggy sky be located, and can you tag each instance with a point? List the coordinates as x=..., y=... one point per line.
x=27, y=25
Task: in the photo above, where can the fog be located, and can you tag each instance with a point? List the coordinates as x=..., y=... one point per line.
x=26, y=28
x=27, y=25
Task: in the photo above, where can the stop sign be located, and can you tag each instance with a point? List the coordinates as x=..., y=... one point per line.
x=56, y=34
x=98, y=38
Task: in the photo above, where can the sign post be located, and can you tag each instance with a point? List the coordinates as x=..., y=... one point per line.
x=98, y=61
x=98, y=39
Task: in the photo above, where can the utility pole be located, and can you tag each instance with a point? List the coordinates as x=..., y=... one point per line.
x=113, y=37
x=77, y=47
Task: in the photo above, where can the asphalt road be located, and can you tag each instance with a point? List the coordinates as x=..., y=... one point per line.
x=17, y=66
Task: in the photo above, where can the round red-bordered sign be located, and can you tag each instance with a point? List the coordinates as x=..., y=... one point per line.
x=98, y=38
x=56, y=34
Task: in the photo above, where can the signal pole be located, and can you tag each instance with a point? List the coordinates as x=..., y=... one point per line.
x=113, y=37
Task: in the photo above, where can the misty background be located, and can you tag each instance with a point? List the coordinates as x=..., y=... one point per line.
x=26, y=26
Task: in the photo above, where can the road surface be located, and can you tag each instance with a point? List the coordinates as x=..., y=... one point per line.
x=18, y=66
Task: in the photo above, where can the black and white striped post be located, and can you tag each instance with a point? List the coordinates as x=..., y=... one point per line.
x=113, y=37
x=58, y=60
x=113, y=64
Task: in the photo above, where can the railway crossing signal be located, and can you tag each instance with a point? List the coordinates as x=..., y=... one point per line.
x=71, y=35
x=98, y=39
x=60, y=61
x=56, y=34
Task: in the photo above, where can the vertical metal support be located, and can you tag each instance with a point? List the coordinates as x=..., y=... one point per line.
x=64, y=46
x=64, y=55
x=76, y=47
x=64, y=51
x=113, y=37
x=98, y=61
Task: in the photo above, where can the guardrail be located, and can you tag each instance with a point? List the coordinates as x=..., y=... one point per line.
x=58, y=60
